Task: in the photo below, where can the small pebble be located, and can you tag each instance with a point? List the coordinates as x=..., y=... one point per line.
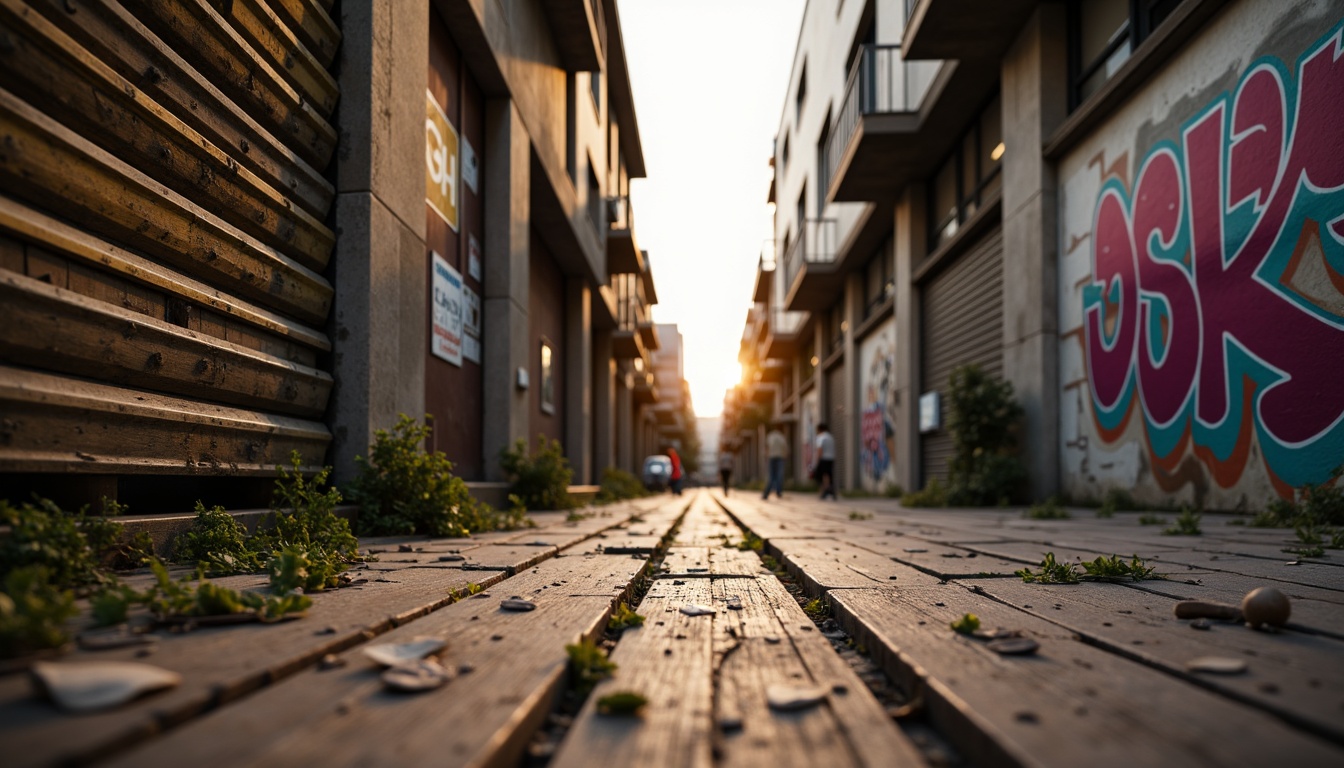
x=517, y=603
x=791, y=698
x=331, y=661
x=772, y=640
x=415, y=677
x=1013, y=646
x=451, y=558
x=667, y=651
x=405, y=548
x=465, y=668
x=730, y=723
x=1200, y=624
x=734, y=603
x=326, y=631
x=496, y=638
x=697, y=610
x=1027, y=717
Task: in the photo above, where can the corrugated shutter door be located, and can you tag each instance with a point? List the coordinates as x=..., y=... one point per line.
x=162, y=211
x=836, y=418
x=962, y=323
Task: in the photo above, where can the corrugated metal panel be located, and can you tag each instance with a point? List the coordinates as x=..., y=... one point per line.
x=837, y=417
x=962, y=323
x=162, y=235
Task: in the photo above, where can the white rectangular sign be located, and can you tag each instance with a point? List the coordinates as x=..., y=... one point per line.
x=446, y=342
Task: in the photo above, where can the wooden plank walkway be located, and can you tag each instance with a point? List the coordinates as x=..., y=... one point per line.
x=1108, y=685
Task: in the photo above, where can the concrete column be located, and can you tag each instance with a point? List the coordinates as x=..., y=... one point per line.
x=910, y=245
x=604, y=404
x=625, y=422
x=1034, y=93
x=579, y=378
x=378, y=321
x=853, y=397
x=505, y=343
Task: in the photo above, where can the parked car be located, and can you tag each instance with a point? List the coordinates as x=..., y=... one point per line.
x=657, y=472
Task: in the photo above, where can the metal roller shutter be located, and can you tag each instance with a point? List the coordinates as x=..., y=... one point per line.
x=962, y=323
x=162, y=237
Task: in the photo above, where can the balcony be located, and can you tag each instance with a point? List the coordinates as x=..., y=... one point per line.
x=810, y=274
x=963, y=29
x=644, y=391
x=762, y=393
x=765, y=272
x=580, y=32
x=781, y=342
x=632, y=312
x=773, y=371
x=623, y=254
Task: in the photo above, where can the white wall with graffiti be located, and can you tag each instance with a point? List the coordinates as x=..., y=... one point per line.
x=809, y=409
x=1201, y=273
x=877, y=408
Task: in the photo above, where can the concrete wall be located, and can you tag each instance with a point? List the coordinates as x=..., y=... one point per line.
x=1201, y=270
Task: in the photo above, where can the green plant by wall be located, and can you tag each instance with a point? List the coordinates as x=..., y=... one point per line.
x=1115, y=500
x=1187, y=524
x=1050, y=509
x=33, y=611
x=985, y=469
x=216, y=542
x=933, y=495
x=402, y=489
x=71, y=546
x=540, y=480
x=619, y=485
x=305, y=520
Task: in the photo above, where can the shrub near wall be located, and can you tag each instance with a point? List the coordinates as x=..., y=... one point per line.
x=540, y=480
x=983, y=418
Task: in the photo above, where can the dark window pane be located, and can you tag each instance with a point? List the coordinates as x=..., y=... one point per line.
x=1101, y=22
x=991, y=139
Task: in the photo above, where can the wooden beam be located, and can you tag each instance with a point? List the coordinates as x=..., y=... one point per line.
x=258, y=25
x=311, y=23
x=52, y=167
x=47, y=67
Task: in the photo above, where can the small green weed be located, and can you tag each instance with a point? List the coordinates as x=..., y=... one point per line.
x=816, y=609
x=217, y=542
x=72, y=547
x=967, y=624
x=618, y=485
x=751, y=542
x=1187, y=524
x=540, y=480
x=1114, y=569
x=33, y=611
x=1115, y=500
x=857, y=515
x=1049, y=509
x=623, y=617
x=621, y=704
x=306, y=523
x=588, y=665
x=1052, y=572
x=1149, y=519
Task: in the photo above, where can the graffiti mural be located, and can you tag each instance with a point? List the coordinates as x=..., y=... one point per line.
x=1214, y=314
x=877, y=408
x=809, y=407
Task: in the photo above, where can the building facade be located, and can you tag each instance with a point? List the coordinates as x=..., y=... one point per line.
x=1130, y=211
x=233, y=231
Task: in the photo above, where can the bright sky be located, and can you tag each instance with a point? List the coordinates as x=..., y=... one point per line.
x=709, y=78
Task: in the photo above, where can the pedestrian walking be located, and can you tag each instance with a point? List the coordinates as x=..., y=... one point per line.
x=824, y=471
x=674, y=481
x=776, y=449
x=725, y=468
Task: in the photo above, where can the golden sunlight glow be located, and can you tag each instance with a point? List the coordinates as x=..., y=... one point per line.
x=997, y=153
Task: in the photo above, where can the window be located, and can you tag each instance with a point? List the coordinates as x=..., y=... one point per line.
x=837, y=327
x=784, y=154
x=802, y=92
x=802, y=209
x=595, y=207
x=879, y=283
x=595, y=85
x=968, y=177
x=547, y=376
x=1102, y=36
x=823, y=166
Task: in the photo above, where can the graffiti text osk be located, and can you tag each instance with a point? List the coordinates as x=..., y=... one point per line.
x=1217, y=301
x=440, y=162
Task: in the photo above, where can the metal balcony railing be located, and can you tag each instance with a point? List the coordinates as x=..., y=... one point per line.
x=881, y=82
x=815, y=245
x=632, y=310
x=784, y=322
x=620, y=216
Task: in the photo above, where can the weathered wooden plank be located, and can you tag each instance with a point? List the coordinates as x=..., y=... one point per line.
x=11, y=255
x=50, y=166
x=668, y=660
x=56, y=424
x=249, y=326
x=482, y=718
x=825, y=564
x=938, y=560
x=290, y=58
x=208, y=43
x=1305, y=572
x=117, y=38
x=73, y=86
x=1069, y=704
x=220, y=665
x=312, y=24
x=58, y=330
x=703, y=562
x=1295, y=676
x=1315, y=609
x=865, y=722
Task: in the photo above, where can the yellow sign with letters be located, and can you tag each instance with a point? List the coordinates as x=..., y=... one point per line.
x=441, y=162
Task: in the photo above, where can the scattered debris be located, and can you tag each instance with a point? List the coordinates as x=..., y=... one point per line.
x=89, y=686
x=734, y=603
x=791, y=698
x=1013, y=646
x=517, y=603
x=119, y=636
x=451, y=558
x=966, y=625
x=1203, y=624
x=331, y=661
x=1216, y=665
x=1203, y=609
x=394, y=654
x=1266, y=606
x=692, y=609
x=621, y=704
x=417, y=676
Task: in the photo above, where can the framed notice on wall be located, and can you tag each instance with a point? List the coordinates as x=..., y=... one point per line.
x=471, y=324
x=446, y=340
x=441, y=162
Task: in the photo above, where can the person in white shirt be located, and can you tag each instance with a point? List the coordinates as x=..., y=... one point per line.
x=824, y=472
x=776, y=448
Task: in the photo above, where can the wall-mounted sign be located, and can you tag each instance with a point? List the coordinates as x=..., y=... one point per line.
x=471, y=168
x=471, y=324
x=446, y=341
x=441, y=162
x=474, y=257
x=930, y=412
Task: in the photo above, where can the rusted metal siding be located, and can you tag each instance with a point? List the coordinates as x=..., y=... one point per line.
x=962, y=323
x=163, y=235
